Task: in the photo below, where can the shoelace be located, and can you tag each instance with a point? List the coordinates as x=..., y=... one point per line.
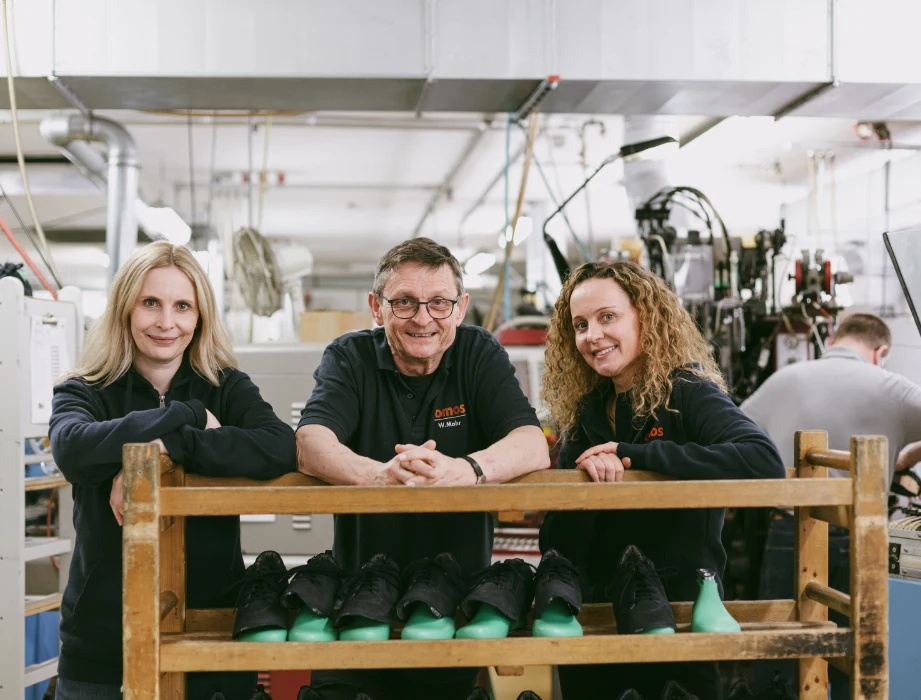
x=646, y=586
x=497, y=572
x=370, y=579
x=558, y=569
x=258, y=585
x=323, y=568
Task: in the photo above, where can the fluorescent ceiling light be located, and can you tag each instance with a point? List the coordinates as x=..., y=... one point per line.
x=479, y=263
x=522, y=230
x=163, y=222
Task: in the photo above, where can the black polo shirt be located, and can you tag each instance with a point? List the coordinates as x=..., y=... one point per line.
x=472, y=401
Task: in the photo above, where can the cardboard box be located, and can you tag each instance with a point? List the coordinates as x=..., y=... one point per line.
x=324, y=326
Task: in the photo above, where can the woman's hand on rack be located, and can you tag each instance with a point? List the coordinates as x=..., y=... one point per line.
x=602, y=463
x=117, y=498
x=213, y=422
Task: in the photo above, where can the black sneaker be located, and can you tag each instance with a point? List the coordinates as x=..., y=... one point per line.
x=479, y=694
x=528, y=695
x=557, y=579
x=259, y=601
x=639, y=599
x=740, y=690
x=260, y=693
x=630, y=694
x=506, y=585
x=436, y=583
x=674, y=691
x=315, y=585
x=372, y=592
x=308, y=693
x=778, y=690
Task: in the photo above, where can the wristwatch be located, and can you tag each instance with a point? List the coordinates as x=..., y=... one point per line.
x=480, y=476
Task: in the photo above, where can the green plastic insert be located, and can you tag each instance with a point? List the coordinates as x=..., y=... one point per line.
x=423, y=624
x=709, y=614
x=659, y=630
x=361, y=629
x=557, y=621
x=487, y=623
x=265, y=635
x=309, y=627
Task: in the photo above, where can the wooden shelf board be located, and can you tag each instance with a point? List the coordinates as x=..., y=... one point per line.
x=42, y=603
x=217, y=652
x=228, y=500
x=40, y=483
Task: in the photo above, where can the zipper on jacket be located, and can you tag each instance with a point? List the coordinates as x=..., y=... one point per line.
x=162, y=402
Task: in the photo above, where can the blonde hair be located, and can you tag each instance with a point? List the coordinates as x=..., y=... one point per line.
x=109, y=349
x=669, y=340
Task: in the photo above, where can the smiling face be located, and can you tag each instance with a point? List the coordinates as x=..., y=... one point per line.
x=418, y=343
x=607, y=330
x=164, y=318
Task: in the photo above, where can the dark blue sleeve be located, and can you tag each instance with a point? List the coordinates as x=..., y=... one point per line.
x=334, y=402
x=252, y=441
x=87, y=450
x=722, y=442
x=500, y=405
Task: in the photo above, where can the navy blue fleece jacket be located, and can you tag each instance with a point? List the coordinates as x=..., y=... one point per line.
x=707, y=438
x=88, y=428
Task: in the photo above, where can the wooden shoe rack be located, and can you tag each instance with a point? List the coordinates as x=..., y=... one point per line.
x=163, y=639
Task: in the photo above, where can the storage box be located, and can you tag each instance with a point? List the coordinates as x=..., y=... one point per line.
x=324, y=326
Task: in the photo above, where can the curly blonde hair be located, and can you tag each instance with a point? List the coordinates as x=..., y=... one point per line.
x=669, y=340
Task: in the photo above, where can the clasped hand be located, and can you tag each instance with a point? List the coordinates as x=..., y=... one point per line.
x=602, y=463
x=423, y=465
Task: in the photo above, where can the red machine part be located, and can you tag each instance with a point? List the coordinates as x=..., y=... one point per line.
x=799, y=275
x=829, y=286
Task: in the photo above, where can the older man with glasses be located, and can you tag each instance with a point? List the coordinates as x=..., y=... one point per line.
x=421, y=401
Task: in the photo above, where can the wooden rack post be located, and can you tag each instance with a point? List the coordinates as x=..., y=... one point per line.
x=159, y=496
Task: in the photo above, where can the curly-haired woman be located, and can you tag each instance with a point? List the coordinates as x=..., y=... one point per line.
x=631, y=383
x=157, y=367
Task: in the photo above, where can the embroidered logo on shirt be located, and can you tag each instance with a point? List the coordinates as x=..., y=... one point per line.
x=655, y=432
x=450, y=416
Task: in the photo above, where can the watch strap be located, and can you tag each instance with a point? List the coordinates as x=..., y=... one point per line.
x=480, y=477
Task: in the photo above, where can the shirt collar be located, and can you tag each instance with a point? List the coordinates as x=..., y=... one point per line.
x=384, y=354
x=843, y=353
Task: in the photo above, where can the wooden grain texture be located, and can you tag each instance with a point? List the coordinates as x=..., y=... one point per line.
x=218, y=652
x=869, y=569
x=842, y=663
x=823, y=457
x=833, y=515
x=40, y=604
x=141, y=573
x=222, y=500
x=41, y=483
x=173, y=575
x=811, y=560
x=829, y=597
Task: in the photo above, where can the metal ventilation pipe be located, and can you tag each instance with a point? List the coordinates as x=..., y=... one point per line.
x=119, y=173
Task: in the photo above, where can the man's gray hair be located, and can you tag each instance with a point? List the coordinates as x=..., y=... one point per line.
x=422, y=251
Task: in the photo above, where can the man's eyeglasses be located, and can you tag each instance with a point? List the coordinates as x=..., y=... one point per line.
x=407, y=307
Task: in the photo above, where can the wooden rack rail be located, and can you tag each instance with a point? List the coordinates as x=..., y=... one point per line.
x=163, y=639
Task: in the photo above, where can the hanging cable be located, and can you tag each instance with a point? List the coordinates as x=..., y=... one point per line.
x=264, y=175
x=192, y=173
x=813, y=198
x=27, y=259
x=19, y=154
x=211, y=171
x=24, y=228
x=489, y=322
x=833, y=176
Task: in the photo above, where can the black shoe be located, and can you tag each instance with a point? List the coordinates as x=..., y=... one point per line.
x=506, y=585
x=479, y=694
x=674, y=691
x=556, y=579
x=740, y=691
x=259, y=601
x=436, y=583
x=218, y=696
x=372, y=592
x=260, y=693
x=639, y=599
x=315, y=585
x=308, y=693
x=528, y=695
x=630, y=694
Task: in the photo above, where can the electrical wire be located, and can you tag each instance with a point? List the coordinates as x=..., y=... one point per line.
x=263, y=176
x=192, y=172
x=24, y=228
x=27, y=259
x=211, y=171
x=20, y=158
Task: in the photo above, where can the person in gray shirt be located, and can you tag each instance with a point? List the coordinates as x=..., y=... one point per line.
x=846, y=392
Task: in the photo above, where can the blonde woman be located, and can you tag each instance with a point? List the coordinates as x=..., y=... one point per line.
x=156, y=367
x=631, y=384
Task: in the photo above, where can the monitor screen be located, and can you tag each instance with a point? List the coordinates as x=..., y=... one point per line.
x=905, y=250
